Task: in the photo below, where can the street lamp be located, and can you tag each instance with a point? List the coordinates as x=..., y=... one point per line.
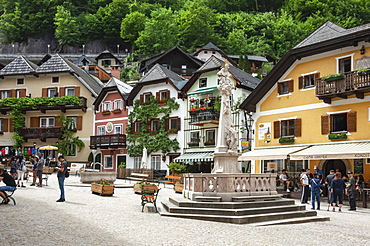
x=118, y=49
x=250, y=124
x=48, y=48
x=83, y=49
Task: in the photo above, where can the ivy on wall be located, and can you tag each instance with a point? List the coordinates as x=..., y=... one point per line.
x=154, y=142
x=19, y=106
x=65, y=144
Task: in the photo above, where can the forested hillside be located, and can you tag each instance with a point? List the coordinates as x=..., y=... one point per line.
x=150, y=26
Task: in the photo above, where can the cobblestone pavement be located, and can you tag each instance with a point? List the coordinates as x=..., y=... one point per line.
x=87, y=219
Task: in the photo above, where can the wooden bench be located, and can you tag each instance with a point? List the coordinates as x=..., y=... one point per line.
x=170, y=180
x=149, y=195
x=138, y=176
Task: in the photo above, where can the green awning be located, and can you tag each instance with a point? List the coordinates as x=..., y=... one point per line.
x=190, y=158
x=202, y=91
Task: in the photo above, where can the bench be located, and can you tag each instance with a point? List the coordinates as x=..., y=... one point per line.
x=138, y=176
x=149, y=195
x=9, y=195
x=170, y=180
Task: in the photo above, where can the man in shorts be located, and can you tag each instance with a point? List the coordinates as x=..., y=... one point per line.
x=9, y=181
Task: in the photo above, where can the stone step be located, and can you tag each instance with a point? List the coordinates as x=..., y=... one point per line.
x=292, y=221
x=208, y=199
x=256, y=198
x=182, y=202
x=231, y=212
x=245, y=219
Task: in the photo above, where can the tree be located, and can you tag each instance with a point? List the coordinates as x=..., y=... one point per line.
x=67, y=28
x=131, y=25
x=159, y=34
x=236, y=42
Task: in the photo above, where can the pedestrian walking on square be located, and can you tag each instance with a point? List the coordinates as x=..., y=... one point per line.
x=21, y=169
x=305, y=181
x=337, y=187
x=13, y=167
x=352, y=192
x=315, y=191
x=328, y=180
x=34, y=170
x=62, y=169
x=40, y=168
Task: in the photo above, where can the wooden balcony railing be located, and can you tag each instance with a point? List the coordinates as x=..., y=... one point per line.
x=108, y=141
x=204, y=116
x=41, y=133
x=352, y=83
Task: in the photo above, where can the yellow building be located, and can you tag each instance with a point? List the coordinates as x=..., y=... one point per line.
x=56, y=77
x=313, y=108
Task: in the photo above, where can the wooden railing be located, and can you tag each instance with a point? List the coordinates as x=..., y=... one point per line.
x=41, y=132
x=108, y=141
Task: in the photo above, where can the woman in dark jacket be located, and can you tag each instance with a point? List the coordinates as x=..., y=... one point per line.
x=338, y=187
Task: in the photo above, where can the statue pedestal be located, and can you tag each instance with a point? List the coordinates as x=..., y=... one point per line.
x=226, y=162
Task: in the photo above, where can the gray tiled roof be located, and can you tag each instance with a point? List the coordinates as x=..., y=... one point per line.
x=210, y=45
x=55, y=64
x=328, y=31
x=79, y=61
x=244, y=78
x=212, y=63
x=19, y=65
x=158, y=72
x=122, y=87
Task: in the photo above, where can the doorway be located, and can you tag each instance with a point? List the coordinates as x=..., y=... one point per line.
x=121, y=159
x=334, y=164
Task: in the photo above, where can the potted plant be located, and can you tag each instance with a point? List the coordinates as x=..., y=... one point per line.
x=144, y=185
x=177, y=169
x=363, y=71
x=286, y=140
x=103, y=187
x=121, y=172
x=333, y=77
x=335, y=136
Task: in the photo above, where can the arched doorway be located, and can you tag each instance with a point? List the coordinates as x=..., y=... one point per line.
x=334, y=164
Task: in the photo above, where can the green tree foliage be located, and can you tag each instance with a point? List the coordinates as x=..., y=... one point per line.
x=131, y=25
x=67, y=27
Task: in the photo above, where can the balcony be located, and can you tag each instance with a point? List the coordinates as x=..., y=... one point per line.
x=41, y=133
x=351, y=83
x=203, y=116
x=108, y=141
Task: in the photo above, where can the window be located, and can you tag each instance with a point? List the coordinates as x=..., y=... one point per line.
x=163, y=95
x=18, y=93
x=106, y=63
x=155, y=125
x=52, y=93
x=47, y=122
x=117, y=129
x=73, y=123
x=106, y=106
x=138, y=126
x=358, y=166
x=183, y=69
x=147, y=97
x=345, y=64
x=174, y=124
x=287, y=128
x=156, y=162
x=72, y=150
x=70, y=91
x=108, y=162
x=339, y=123
x=285, y=87
x=20, y=81
x=202, y=82
x=117, y=104
x=308, y=80
x=101, y=130
x=194, y=137
x=54, y=80
x=210, y=136
x=5, y=94
x=1, y=125
x=137, y=162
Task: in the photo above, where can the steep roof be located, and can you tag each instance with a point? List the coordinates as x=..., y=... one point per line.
x=212, y=63
x=82, y=60
x=19, y=65
x=244, y=78
x=53, y=65
x=106, y=54
x=316, y=43
x=210, y=45
x=158, y=72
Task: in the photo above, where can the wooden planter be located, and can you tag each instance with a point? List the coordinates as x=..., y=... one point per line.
x=178, y=188
x=139, y=188
x=103, y=190
x=117, y=111
x=105, y=113
x=122, y=173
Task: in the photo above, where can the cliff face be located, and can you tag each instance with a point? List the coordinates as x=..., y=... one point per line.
x=39, y=45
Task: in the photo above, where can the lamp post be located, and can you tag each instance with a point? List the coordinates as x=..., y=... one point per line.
x=83, y=49
x=250, y=122
x=118, y=49
x=48, y=48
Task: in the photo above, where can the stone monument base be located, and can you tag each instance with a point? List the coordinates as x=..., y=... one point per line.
x=226, y=162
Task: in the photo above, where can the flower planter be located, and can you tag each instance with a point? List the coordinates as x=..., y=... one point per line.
x=333, y=78
x=178, y=188
x=105, y=113
x=138, y=188
x=123, y=173
x=286, y=140
x=103, y=190
x=193, y=144
x=209, y=143
x=337, y=136
x=117, y=111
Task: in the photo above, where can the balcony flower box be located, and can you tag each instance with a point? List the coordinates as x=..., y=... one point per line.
x=193, y=144
x=173, y=131
x=117, y=111
x=332, y=77
x=337, y=136
x=106, y=112
x=286, y=140
x=363, y=71
x=209, y=143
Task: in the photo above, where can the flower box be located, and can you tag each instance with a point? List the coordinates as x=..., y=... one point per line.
x=193, y=144
x=286, y=140
x=103, y=190
x=336, y=136
x=138, y=188
x=333, y=77
x=117, y=111
x=209, y=143
x=105, y=113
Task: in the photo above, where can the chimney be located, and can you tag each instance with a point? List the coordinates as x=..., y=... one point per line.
x=116, y=72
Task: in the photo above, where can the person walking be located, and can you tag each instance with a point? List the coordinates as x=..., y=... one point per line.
x=34, y=170
x=315, y=190
x=337, y=187
x=305, y=181
x=352, y=192
x=40, y=168
x=21, y=169
x=328, y=180
x=62, y=169
x=13, y=167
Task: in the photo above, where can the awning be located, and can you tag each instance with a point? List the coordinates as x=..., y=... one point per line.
x=202, y=91
x=277, y=153
x=192, y=157
x=355, y=150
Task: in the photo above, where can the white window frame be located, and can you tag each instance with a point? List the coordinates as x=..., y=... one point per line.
x=20, y=79
x=18, y=93
x=49, y=121
x=155, y=162
x=137, y=162
x=70, y=126
x=52, y=89
x=152, y=125
x=106, y=106
x=198, y=132
x=5, y=94
x=101, y=130
x=73, y=152
x=70, y=88
x=106, y=157
x=214, y=134
x=115, y=127
x=52, y=78
x=118, y=104
x=170, y=123
x=136, y=126
x=342, y=57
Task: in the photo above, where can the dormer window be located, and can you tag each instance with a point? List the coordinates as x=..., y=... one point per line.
x=106, y=106
x=202, y=82
x=117, y=104
x=183, y=69
x=54, y=80
x=20, y=81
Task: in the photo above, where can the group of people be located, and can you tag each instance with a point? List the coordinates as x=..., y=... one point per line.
x=18, y=165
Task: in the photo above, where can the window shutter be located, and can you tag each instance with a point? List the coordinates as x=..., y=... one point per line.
x=167, y=94
x=325, y=129
x=5, y=125
x=291, y=86
x=57, y=91
x=62, y=91
x=148, y=125
x=23, y=92
x=167, y=124
x=276, y=129
x=157, y=96
x=34, y=122
x=178, y=124
x=279, y=88
x=317, y=76
x=297, y=127
x=141, y=99
x=44, y=92
x=11, y=125
x=351, y=121
x=79, y=123
x=58, y=122
x=300, y=82
x=13, y=93
x=77, y=91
